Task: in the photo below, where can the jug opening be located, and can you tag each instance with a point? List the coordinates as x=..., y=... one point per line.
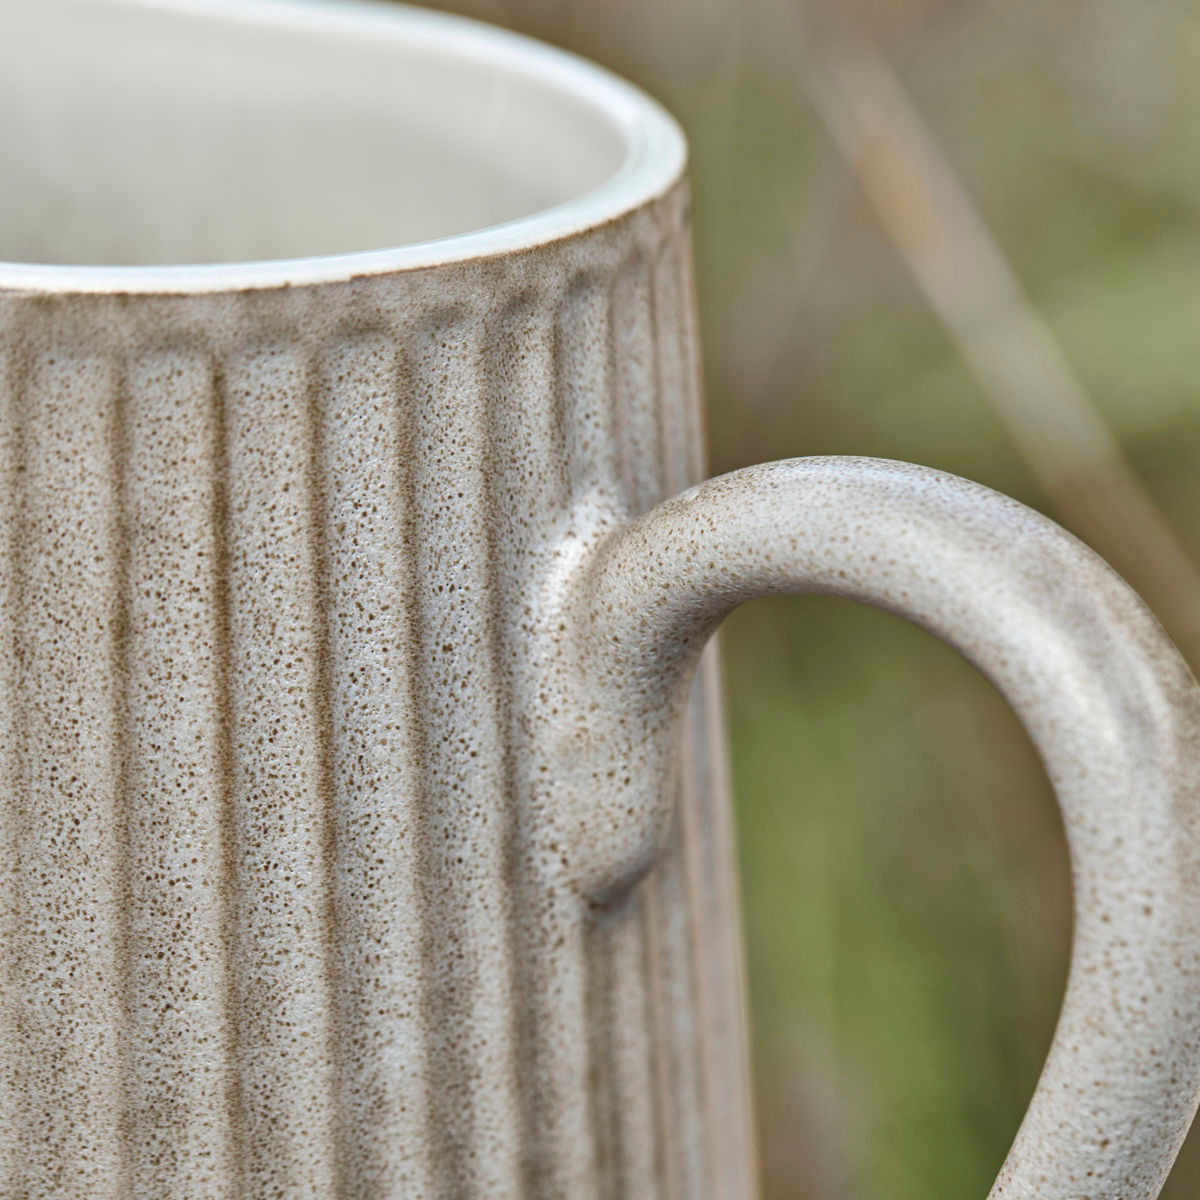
x=151, y=134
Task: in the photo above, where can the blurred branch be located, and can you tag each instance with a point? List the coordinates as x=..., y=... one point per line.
x=1006, y=344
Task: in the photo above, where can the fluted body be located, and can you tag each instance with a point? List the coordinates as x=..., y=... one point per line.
x=278, y=913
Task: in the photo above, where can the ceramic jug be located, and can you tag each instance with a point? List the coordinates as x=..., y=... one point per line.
x=364, y=828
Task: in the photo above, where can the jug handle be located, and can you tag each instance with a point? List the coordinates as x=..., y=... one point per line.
x=1106, y=698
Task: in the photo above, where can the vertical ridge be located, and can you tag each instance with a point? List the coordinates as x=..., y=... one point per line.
x=641, y=1077
x=119, y=663
x=505, y=600
x=227, y=916
x=630, y=1057
x=720, y=912
x=593, y=308
x=369, y=578
x=528, y=491
x=638, y=427
x=689, y=350
x=68, y=989
x=179, y=1060
x=713, y=890
x=469, y=985
x=587, y=384
x=665, y=1147
x=441, y=1160
x=11, y=743
x=675, y=378
x=659, y=486
x=694, y=884
x=434, y=1163
x=681, y=385
x=617, y=947
x=601, y=1028
x=619, y=941
x=669, y=888
x=675, y=979
x=316, y=516
x=280, y=809
x=583, y=330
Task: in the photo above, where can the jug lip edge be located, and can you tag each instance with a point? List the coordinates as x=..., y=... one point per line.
x=655, y=161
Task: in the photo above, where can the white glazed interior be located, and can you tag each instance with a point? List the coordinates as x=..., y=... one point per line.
x=279, y=142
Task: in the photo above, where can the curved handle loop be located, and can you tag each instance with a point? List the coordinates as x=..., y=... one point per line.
x=1106, y=698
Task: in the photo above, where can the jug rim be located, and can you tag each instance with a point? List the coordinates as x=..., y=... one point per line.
x=654, y=157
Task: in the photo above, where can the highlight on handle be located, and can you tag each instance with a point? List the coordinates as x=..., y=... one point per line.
x=1104, y=695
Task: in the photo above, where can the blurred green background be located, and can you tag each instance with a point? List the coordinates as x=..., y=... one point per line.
x=907, y=904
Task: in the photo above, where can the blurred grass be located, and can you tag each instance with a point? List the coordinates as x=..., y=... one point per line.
x=907, y=902
x=903, y=867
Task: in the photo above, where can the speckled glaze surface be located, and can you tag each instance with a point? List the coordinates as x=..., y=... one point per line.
x=365, y=828
x=282, y=911
x=1104, y=695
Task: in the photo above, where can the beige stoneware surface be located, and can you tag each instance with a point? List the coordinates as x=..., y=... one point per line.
x=365, y=829
x=1105, y=696
x=277, y=916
